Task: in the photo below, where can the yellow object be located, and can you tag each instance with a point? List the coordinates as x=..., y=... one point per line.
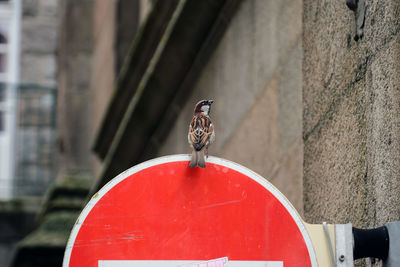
x=320, y=242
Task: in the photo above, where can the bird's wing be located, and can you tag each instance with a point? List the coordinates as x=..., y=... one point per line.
x=200, y=130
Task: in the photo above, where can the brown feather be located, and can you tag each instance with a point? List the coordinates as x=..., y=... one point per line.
x=201, y=133
x=200, y=130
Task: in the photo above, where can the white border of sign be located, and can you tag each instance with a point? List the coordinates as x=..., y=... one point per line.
x=171, y=263
x=175, y=158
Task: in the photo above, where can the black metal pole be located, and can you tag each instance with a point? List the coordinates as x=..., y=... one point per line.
x=373, y=243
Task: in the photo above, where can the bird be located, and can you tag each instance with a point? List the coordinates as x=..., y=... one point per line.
x=201, y=133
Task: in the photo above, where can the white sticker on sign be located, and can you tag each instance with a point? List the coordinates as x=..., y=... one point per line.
x=187, y=263
x=221, y=262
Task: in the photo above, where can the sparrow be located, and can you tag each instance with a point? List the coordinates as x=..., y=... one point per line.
x=201, y=133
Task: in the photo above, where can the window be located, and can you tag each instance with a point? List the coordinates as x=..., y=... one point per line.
x=3, y=46
x=3, y=38
x=2, y=121
x=2, y=92
x=3, y=62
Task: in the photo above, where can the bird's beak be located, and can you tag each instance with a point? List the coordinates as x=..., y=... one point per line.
x=210, y=101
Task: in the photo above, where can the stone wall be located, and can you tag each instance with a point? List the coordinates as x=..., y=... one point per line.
x=254, y=76
x=115, y=25
x=75, y=47
x=103, y=72
x=351, y=122
x=351, y=106
x=39, y=32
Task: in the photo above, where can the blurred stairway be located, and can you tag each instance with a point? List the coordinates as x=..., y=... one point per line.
x=61, y=207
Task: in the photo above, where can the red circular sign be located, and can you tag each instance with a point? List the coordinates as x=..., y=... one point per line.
x=163, y=213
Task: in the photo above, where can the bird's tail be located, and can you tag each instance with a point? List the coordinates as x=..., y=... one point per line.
x=198, y=159
x=201, y=161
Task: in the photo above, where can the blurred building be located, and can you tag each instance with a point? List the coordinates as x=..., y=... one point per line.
x=28, y=96
x=10, y=20
x=28, y=38
x=36, y=114
x=297, y=100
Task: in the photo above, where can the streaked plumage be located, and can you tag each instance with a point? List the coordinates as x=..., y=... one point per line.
x=201, y=133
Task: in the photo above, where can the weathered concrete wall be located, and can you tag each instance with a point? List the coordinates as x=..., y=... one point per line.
x=74, y=96
x=39, y=42
x=115, y=25
x=255, y=79
x=103, y=73
x=103, y=64
x=351, y=122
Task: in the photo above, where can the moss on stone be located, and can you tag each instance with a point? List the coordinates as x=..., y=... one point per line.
x=65, y=203
x=61, y=207
x=76, y=185
x=69, y=194
x=74, y=182
x=54, y=231
x=20, y=205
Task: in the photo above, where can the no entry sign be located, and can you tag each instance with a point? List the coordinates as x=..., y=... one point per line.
x=163, y=213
